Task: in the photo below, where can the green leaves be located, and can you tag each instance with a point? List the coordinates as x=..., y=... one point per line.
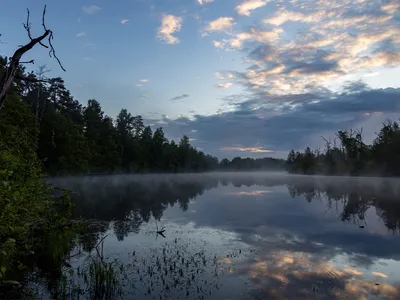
x=27, y=213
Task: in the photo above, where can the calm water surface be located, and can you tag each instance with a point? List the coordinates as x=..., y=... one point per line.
x=244, y=236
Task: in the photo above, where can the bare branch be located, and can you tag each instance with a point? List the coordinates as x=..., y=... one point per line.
x=43, y=45
x=53, y=51
x=327, y=143
x=27, y=25
x=44, y=25
x=43, y=15
x=10, y=73
x=32, y=61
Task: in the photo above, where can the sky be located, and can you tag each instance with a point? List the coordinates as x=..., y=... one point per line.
x=248, y=78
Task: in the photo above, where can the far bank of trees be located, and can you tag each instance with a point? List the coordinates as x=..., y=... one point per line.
x=76, y=139
x=254, y=164
x=349, y=155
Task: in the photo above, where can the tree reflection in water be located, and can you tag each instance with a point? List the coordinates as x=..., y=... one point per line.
x=286, y=269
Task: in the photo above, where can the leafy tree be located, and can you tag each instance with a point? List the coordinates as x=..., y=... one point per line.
x=27, y=212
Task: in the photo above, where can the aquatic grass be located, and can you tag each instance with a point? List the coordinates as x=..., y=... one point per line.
x=102, y=280
x=101, y=277
x=96, y=278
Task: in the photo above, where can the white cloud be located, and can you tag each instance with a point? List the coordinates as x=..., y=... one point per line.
x=202, y=2
x=124, y=21
x=144, y=80
x=218, y=44
x=247, y=149
x=139, y=84
x=91, y=9
x=218, y=75
x=220, y=24
x=169, y=25
x=224, y=85
x=282, y=16
x=248, y=6
x=261, y=36
x=80, y=34
x=338, y=39
x=391, y=7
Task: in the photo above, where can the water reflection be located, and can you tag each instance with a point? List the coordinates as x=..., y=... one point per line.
x=255, y=231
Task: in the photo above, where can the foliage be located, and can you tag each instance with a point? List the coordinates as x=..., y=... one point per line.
x=28, y=214
x=102, y=280
x=351, y=156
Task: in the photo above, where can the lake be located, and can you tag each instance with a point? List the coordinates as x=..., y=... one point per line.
x=238, y=236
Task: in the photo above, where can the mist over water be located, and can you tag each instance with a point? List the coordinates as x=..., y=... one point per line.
x=244, y=235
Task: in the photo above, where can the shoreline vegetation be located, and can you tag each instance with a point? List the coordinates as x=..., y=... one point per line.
x=347, y=154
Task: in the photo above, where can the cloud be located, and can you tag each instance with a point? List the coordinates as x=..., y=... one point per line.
x=219, y=75
x=139, y=84
x=248, y=6
x=220, y=24
x=91, y=9
x=80, y=34
x=223, y=76
x=248, y=149
x=169, y=25
x=282, y=16
x=144, y=80
x=391, y=7
x=218, y=44
x=224, y=85
x=202, y=2
x=124, y=21
x=280, y=123
x=335, y=41
x=257, y=35
x=183, y=96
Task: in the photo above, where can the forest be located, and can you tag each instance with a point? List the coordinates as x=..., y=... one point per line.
x=76, y=139
x=348, y=154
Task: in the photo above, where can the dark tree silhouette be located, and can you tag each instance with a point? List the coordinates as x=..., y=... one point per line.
x=12, y=68
x=351, y=156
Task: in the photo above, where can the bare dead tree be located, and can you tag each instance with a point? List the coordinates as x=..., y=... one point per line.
x=11, y=70
x=40, y=74
x=328, y=143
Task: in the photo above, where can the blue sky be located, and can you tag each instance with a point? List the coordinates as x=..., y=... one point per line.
x=238, y=77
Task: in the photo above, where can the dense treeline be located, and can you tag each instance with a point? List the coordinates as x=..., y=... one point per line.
x=238, y=164
x=351, y=156
x=82, y=139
